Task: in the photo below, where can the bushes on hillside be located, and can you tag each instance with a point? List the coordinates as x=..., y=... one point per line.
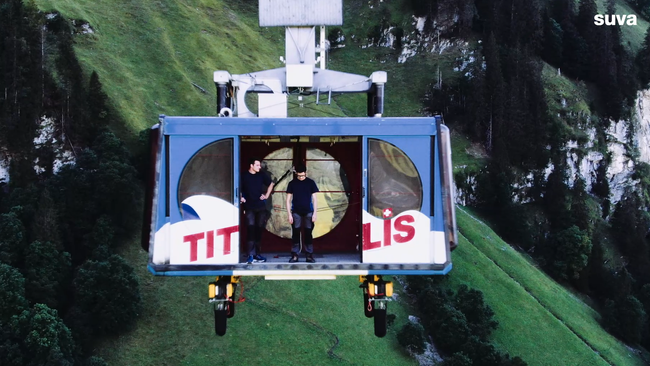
x=47, y=272
x=108, y=292
x=631, y=225
x=41, y=337
x=12, y=234
x=626, y=318
x=460, y=324
x=479, y=315
x=412, y=337
x=12, y=293
x=568, y=252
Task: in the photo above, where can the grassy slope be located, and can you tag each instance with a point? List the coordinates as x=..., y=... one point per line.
x=281, y=322
x=147, y=56
x=539, y=319
x=632, y=34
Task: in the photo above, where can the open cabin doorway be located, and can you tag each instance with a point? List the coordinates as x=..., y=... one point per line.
x=334, y=163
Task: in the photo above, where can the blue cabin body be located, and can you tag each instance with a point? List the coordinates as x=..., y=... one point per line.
x=384, y=205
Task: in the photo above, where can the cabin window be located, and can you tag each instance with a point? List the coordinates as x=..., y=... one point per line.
x=209, y=172
x=394, y=182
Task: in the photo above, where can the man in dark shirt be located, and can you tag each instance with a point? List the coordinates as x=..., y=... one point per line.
x=253, y=198
x=302, y=207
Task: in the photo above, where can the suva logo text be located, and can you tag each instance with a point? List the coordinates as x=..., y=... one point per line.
x=615, y=19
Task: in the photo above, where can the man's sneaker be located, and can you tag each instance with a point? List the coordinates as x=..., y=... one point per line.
x=310, y=258
x=294, y=258
x=250, y=259
x=259, y=259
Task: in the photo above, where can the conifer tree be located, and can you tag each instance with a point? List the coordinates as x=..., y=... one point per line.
x=12, y=293
x=630, y=224
x=568, y=252
x=585, y=17
x=109, y=292
x=12, y=238
x=643, y=61
x=562, y=10
x=97, y=108
x=20, y=74
x=519, y=24
x=574, y=51
x=494, y=92
x=552, y=47
x=47, y=272
x=591, y=34
x=557, y=198
x=583, y=216
x=626, y=318
x=45, y=339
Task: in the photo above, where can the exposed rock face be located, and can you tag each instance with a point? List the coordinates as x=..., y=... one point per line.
x=621, y=146
x=418, y=40
x=48, y=138
x=622, y=166
x=584, y=167
x=643, y=130
x=4, y=171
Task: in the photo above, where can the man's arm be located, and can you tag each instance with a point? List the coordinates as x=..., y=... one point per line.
x=268, y=191
x=242, y=192
x=288, y=204
x=315, y=204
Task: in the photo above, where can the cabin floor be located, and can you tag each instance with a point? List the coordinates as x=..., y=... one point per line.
x=283, y=257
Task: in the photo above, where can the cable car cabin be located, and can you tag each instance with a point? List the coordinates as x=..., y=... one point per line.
x=384, y=206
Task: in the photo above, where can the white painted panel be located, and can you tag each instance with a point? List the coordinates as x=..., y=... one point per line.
x=300, y=76
x=403, y=239
x=213, y=238
x=275, y=13
x=272, y=105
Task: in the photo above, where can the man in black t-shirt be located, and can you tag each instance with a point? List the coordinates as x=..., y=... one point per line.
x=302, y=207
x=253, y=199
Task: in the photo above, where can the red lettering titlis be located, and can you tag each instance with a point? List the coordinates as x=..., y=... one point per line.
x=402, y=225
x=193, y=239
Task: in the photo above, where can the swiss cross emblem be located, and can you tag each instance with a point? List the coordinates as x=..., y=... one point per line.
x=388, y=213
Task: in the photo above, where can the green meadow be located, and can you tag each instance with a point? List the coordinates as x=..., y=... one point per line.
x=278, y=323
x=539, y=320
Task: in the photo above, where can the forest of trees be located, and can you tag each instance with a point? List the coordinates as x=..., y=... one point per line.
x=62, y=286
x=501, y=104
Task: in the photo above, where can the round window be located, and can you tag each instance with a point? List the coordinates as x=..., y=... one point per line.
x=332, y=185
x=394, y=182
x=208, y=172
